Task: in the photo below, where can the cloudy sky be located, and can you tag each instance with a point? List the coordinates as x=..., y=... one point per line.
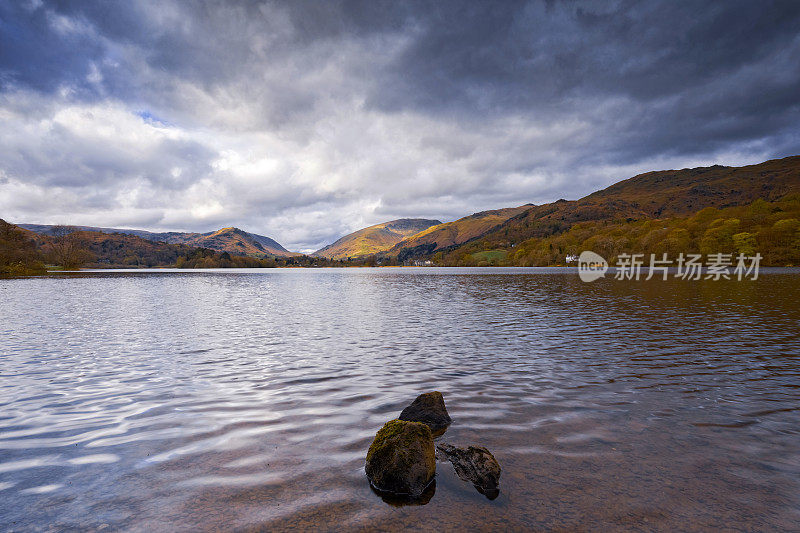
x=306, y=120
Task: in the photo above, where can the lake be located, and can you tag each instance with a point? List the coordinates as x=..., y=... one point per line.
x=247, y=399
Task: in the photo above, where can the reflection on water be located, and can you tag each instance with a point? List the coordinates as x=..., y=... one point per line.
x=247, y=400
x=399, y=500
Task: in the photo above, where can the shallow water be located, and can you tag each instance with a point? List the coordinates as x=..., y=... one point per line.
x=245, y=400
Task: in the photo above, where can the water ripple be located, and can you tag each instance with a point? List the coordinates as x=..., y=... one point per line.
x=247, y=399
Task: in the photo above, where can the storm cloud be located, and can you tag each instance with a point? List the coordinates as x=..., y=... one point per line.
x=306, y=120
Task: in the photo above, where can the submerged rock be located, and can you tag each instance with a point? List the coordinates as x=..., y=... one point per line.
x=404, y=500
x=429, y=409
x=475, y=464
x=401, y=458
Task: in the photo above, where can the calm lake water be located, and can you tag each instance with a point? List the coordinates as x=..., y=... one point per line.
x=246, y=400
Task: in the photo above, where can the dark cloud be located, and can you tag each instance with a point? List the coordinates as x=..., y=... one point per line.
x=307, y=119
x=41, y=51
x=486, y=56
x=696, y=75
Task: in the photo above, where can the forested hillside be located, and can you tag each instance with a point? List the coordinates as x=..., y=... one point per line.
x=621, y=216
x=19, y=255
x=769, y=228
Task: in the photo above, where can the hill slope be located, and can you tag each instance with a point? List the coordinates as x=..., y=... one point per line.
x=453, y=233
x=23, y=252
x=660, y=194
x=374, y=239
x=19, y=255
x=672, y=196
x=231, y=240
x=681, y=192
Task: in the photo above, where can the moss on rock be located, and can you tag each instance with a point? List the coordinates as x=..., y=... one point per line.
x=402, y=458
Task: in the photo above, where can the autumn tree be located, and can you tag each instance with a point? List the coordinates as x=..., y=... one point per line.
x=18, y=253
x=66, y=249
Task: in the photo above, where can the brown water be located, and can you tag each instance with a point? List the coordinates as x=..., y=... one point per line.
x=246, y=400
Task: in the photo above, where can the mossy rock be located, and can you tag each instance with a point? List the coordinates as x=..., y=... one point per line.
x=402, y=458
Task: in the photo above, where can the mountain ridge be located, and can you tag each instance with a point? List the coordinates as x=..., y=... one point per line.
x=654, y=195
x=670, y=195
x=454, y=233
x=375, y=239
x=229, y=239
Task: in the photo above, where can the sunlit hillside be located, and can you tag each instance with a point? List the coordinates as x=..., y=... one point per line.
x=662, y=195
x=375, y=239
x=453, y=233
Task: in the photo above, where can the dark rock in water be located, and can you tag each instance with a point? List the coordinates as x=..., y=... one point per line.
x=475, y=464
x=402, y=459
x=429, y=409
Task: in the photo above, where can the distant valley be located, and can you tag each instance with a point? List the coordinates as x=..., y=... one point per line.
x=755, y=208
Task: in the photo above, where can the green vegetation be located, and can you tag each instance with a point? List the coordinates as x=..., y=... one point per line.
x=769, y=228
x=490, y=257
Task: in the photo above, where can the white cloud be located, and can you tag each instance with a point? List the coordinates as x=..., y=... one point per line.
x=103, y=164
x=239, y=117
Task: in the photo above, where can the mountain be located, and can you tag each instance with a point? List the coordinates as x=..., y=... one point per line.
x=692, y=202
x=453, y=233
x=231, y=240
x=24, y=252
x=681, y=192
x=82, y=247
x=127, y=250
x=754, y=208
x=374, y=239
x=661, y=194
